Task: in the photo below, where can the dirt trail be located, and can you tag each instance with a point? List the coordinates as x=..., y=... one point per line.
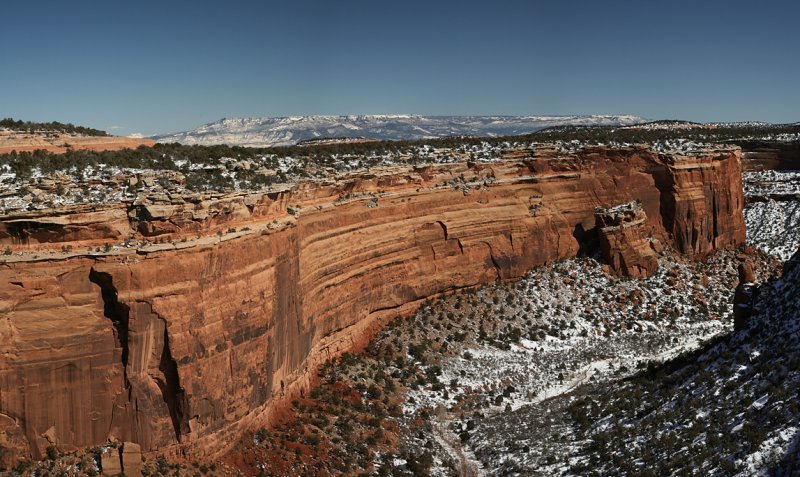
x=466, y=464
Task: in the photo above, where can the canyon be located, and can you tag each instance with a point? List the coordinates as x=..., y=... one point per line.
x=228, y=304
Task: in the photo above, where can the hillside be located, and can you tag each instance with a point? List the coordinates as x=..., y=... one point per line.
x=266, y=132
x=729, y=408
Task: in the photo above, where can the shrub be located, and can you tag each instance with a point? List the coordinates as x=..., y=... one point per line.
x=52, y=452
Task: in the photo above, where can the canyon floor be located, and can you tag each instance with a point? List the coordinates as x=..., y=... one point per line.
x=465, y=366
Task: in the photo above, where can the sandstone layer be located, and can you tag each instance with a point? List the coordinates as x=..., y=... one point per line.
x=180, y=345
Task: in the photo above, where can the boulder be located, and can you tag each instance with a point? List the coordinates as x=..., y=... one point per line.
x=110, y=462
x=132, y=459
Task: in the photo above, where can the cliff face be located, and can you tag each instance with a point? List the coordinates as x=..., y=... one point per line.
x=769, y=155
x=190, y=342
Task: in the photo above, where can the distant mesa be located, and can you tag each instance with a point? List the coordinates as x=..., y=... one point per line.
x=292, y=130
x=21, y=136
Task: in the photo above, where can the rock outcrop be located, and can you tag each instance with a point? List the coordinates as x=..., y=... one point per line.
x=744, y=296
x=623, y=244
x=182, y=344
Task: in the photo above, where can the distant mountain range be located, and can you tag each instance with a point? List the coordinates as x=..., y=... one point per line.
x=286, y=131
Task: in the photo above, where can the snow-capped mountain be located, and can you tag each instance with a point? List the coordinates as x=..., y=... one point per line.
x=264, y=132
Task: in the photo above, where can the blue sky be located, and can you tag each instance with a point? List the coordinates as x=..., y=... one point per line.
x=158, y=67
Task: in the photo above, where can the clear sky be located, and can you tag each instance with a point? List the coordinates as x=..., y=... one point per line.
x=157, y=67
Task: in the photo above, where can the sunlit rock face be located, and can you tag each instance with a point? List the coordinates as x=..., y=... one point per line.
x=184, y=343
x=625, y=247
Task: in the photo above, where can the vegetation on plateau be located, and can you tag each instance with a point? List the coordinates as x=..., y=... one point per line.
x=53, y=126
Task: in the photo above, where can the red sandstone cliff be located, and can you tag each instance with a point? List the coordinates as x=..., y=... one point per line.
x=190, y=342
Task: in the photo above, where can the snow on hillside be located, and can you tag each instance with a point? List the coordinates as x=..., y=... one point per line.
x=730, y=408
x=773, y=215
x=285, y=131
x=588, y=321
x=774, y=227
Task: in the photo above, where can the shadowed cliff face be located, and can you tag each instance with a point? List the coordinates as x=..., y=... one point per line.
x=171, y=389
x=189, y=344
x=767, y=155
x=146, y=358
x=115, y=311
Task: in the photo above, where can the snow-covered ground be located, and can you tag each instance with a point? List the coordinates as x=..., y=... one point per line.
x=774, y=227
x=773, y=213
x=480, y=355
x=579, y=323
x=771, y=183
